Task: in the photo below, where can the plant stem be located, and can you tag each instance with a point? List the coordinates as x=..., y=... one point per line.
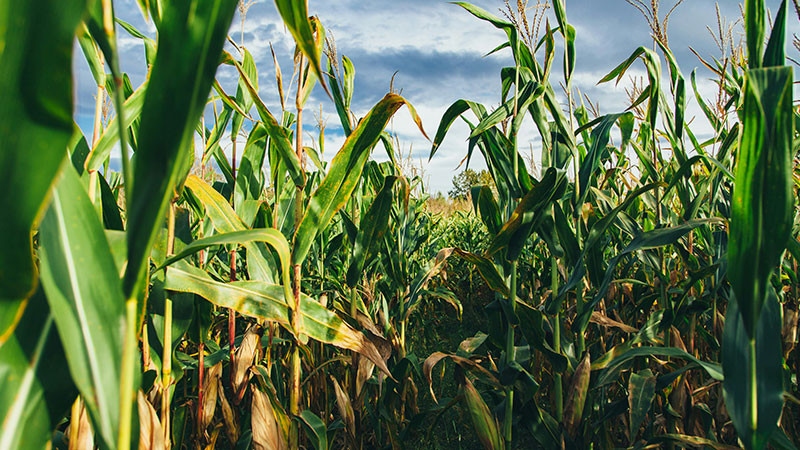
x=166, y=360
x=231, y=312
x=126, y=388
x=353, y=303
x=510, y=355
x=512, y=298
x=232, y=316
x=123, y=141
x=201, y=367
x=580, y=344
x=98, y=128
x=556, y=340
x=294, y=373
x=753, y=388
x=294, y=396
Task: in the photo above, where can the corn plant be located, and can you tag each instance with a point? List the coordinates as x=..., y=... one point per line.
x=267, y=298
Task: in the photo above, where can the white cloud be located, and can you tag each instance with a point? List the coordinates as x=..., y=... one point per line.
x=437, y=48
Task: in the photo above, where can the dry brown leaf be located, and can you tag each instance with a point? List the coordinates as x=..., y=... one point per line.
x=365, y=369
x=210, y=394
x=576, y=397
x=367, y=323
x=789, y=332
x=228, y=416
x=81, y=435
x=677, y=341
x=212, y=441
x=151, y=435
x=278, y=76
x=345, y=407
x=680, y=401
x=465, y=363
x=243, y=360
x=267, y=435
x=605, y=321
x=427, y=368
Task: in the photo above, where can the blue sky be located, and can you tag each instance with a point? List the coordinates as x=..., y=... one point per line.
x=437, y=50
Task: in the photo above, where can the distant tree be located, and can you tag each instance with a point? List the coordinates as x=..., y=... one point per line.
x=463, y=182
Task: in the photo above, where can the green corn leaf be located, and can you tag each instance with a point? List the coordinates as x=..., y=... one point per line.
x=595, y=234
x=529, y=93
x=232, y=103
x=112, y=220
x=279, y=138
x=486, y=207
x=522, y=53
x=35, y=128
x=191, y=37
x=348, y=83
x=250, y=176
x=641, y=392
x=243, y=96
x=517, y=229
x=225, y=220
x=316, y=431
x=754, y=18
x=488, y=271
x=535, y=335
x=149, y=44
x=762, y=207
x=482, y=419
x=499, y=152
x=92, y=54
x=612, y=368
x=775, y=54
x=344, y=95
x=755, y=432
x=295, y=17
x=600, y=137
x=213, y=138
x=132, y=110
x=659, y=237
x=344, y=173
x=315, y=158
x=267, y=301
x=34, y=394
x=418, y=285
x=450, y=115
x=561, y=12
x=780, y=441
x=566, y=235
x=600, y=227
x=371, y=230
x=154, y=8
x=83, y=289
x=11, y=311
x=104, y=33
x=693, y=441
x=569, y=54
x=653, y=65
x=271, y=236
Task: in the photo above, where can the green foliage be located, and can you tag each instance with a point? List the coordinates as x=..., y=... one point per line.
x=331, y=305
x=35, y=127
x=465, y=180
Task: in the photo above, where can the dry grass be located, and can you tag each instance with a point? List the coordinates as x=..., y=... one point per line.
x=443, y=206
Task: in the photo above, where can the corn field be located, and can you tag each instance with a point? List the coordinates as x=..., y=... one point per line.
x=639, y=291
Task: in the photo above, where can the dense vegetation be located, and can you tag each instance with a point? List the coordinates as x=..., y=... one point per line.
x=637, y=292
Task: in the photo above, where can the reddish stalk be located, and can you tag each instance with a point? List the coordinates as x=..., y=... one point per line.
x=201, y=369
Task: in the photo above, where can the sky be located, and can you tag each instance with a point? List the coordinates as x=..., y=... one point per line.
x=436, y=52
